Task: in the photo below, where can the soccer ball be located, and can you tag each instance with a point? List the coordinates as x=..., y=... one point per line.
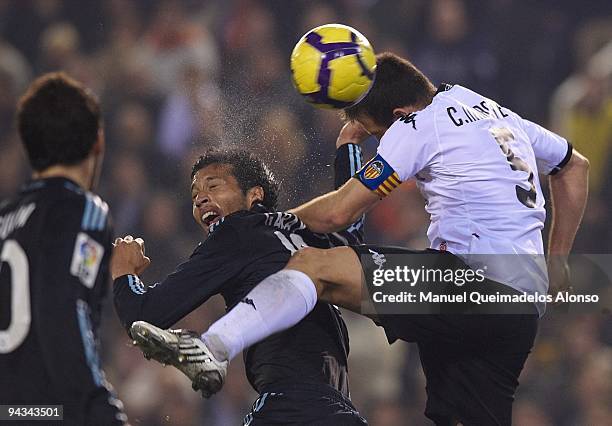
x=333, y=66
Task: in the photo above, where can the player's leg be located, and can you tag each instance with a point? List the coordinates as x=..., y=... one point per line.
x=283, y=299
x=474, y=380
x=336, y=274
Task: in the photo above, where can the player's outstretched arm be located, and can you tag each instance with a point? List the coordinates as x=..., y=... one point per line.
x=214, y=263
x=338, y=209
x=569, y=192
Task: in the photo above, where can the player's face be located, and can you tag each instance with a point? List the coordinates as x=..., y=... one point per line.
x=372, y=126
x=215, y=193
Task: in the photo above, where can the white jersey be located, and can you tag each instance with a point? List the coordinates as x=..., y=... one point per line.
x=477, y=165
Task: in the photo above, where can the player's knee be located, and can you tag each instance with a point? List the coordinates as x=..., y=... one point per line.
x=306, y=259
x=309, y=260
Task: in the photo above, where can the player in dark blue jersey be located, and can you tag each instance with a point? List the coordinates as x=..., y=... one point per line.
x=55, y=247
x=301, y=374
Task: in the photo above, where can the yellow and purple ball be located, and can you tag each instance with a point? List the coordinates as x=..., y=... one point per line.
x=333, y=66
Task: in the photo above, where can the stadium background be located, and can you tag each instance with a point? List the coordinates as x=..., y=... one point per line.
x=175, y=77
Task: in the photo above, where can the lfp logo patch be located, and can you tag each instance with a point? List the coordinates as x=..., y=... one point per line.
x=86, y=259
x=374, y=170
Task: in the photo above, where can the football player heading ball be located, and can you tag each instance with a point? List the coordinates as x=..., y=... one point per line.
x=477, y=164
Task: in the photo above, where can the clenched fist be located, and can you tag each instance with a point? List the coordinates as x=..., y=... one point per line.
x=128, y=257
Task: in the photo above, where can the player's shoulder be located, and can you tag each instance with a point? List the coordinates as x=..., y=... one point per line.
x=67, y=202
x=251, y=224
x=414, y=132
x=472, y=99
x=8, y=204
x=52, y=190
x=249, y=220
x=413, y=125
x=49, y=195
x=95, y=213
x=229, y=223
x=227, y=232
x=418, y=125
x=457, y=92
x=455, y=97
x=224, y=236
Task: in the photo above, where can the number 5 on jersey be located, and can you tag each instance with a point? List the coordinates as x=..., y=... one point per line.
x=503, y=136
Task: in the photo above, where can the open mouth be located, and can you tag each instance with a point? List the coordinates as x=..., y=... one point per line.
x=210, y=217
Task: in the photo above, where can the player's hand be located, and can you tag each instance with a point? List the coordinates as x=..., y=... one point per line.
x=352, y=132
x=128, y=257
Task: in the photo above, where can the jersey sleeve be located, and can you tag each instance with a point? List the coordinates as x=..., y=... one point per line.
x=407, y=147
x=76, y=247
x=346, y=164
x=213, y=264
x=552, y=152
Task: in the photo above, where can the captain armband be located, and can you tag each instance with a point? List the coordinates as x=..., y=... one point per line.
x=378, y=176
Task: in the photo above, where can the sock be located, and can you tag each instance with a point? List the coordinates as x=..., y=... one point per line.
x=277, y=303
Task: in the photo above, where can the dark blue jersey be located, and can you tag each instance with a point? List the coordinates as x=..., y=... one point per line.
x=241, y=250
x=55, y=245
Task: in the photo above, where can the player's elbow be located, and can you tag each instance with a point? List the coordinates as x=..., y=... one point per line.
x=578, y=166
x=581, y=162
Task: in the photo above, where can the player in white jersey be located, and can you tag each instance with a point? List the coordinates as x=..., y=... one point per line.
x=477, y=164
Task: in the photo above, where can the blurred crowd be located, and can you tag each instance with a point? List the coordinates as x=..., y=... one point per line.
x=175, y=77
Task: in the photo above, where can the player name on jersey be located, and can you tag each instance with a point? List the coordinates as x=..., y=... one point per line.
x=284, y=221
x=484, y=109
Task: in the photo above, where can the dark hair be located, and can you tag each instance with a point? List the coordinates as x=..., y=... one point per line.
x=58, y=121
x=398, y=83
x=248, y=169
